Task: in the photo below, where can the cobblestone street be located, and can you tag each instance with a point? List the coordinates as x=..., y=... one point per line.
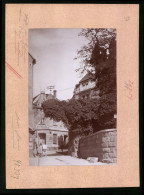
x=58, y=159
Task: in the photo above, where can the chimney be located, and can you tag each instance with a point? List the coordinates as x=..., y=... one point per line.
x=54, y=93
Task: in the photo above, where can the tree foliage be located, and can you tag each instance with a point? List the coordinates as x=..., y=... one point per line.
x=55, y=109
x=93, y=52
x=77, y=115
x=99, y=57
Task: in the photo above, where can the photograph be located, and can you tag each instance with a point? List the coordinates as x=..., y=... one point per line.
x=72, y=96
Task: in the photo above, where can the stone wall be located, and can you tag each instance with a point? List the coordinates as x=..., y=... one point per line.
x=102, y=144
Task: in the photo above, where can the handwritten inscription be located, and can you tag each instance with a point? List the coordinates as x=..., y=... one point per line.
x=129, y=86
x=21, y=38
x=127, y=18
x=16, y=169
x=21, y=54
x=16, y=131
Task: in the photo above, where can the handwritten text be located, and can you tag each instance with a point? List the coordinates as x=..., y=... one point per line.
x=16, y=169
x=129, y=86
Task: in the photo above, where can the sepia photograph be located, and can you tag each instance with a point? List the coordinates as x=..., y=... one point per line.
x=72, y=96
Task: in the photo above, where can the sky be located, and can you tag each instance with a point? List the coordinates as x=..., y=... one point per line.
x=54, y=51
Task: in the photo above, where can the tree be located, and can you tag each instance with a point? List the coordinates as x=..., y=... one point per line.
x=77, y=115
x=80, y=117
x=54, y=109
x=92, y=53
x=99, y=57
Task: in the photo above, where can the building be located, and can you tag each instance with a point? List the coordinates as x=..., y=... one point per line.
x=31, y=64
x=41, y=129
x=40, y=98
x=86, y=88
x=47, y=131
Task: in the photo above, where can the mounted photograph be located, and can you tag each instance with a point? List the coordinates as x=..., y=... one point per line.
x=72, y=85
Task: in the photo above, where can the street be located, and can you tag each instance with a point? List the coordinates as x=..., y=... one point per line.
x=58, y=159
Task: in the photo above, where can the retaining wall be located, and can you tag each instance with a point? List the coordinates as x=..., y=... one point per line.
x=102, y=144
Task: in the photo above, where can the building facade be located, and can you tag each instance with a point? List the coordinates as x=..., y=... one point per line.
x=47, y=131
x=86, y=88
x=50, y=132
x=31, y=64
x=41, y=129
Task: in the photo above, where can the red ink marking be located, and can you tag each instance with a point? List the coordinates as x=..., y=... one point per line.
x=130, y=97
x=129, y=87
x=14, y=71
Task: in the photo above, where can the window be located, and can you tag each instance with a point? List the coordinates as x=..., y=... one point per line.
x=54, y=138
x=54, y=123
x=65, y=139
x=30, y=139
x=42, y=121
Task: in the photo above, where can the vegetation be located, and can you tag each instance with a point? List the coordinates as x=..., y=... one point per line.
x=77, y=115
x=88, y=116
x=99, y=57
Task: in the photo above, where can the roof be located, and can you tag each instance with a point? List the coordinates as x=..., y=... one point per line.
x=49, y=96
x=31, y=56
x=40, y=98
x=87, y=77
x=35, y=97
x=34, y=60
x=50, y=124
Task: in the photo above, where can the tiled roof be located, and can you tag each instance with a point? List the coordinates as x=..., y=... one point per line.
x=50, y=124
x=38, y=98
x=86, y=77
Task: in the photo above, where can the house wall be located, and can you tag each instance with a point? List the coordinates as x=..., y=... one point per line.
x=38, y=115
x=30, y=92
x=49, y=135
x=85, y=86
x=102, y=144
x=91, y=93
x=86, y=89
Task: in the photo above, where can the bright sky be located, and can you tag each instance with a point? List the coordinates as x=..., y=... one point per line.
x=54, y=51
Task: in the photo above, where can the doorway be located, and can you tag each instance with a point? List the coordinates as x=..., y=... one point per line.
x=42, y=138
